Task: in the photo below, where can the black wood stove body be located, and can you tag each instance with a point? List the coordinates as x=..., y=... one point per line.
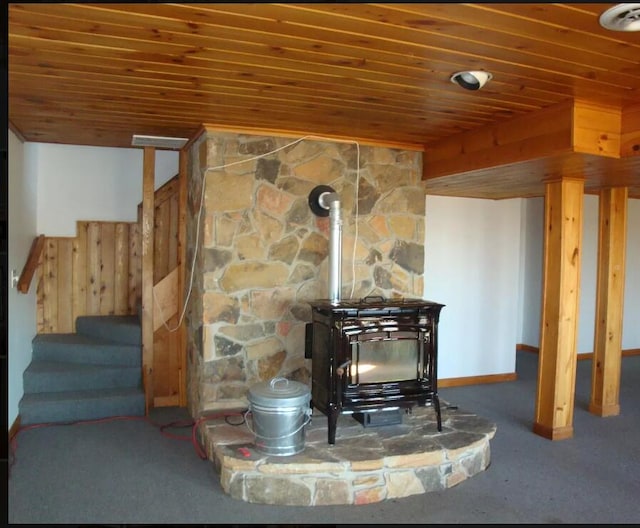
x=372, y=356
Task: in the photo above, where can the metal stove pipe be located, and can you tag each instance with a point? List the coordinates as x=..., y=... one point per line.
x=335, y=251
x=324, y=201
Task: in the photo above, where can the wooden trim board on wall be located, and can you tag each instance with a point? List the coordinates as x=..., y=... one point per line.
x=583, y=355
x=477, y=380
x=499, y=378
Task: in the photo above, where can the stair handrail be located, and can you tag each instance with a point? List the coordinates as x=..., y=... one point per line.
x=30, y=266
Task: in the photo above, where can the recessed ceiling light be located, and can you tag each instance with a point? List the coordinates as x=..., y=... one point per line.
x=622, y=17
x=471, y=80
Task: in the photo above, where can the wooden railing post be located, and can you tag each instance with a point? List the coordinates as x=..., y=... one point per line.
x=182, y=273
x=148, y=184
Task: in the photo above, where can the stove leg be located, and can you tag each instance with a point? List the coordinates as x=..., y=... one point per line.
x=332, y=422
x=436, y=405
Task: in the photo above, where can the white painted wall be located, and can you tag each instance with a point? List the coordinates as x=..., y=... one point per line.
x=532, y=296
x=51, y=187
x=22, y=231
x=588, y=274
x=532, y=260
x=631, y=319
x=92, y=183
x=472, y=255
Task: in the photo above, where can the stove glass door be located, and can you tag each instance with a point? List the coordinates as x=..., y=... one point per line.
x=386, y=357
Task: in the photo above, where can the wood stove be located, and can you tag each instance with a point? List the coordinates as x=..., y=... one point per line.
x=371, y=357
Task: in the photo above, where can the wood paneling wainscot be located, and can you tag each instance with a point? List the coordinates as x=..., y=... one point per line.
x=97, y=272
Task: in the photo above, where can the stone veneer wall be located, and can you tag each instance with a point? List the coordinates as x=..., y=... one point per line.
x=262, y=253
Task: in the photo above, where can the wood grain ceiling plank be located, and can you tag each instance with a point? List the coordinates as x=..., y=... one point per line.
x=573, y=22
x=481, y=103
x=200, y=69
x=556, y=28
x=221, y=30
x=95, y=123
x=231, y=108
x=74, y=81
x=307, y=54
x=230, y=60
x=426, y=59
x=89, y=117
x=471, y=38
x=22, y=79
x=59, y=57
x=238, y=112
x=221, y=39
x=258, y=123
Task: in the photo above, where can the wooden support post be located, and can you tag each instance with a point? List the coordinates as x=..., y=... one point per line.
x=184, y=269
x=148, y=184
x=560, y=306
x=607, y=356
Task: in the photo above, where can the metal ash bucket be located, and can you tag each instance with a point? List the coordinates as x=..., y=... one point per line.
x=279, y=411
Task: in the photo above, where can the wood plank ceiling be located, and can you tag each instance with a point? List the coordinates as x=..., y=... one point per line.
x=96, y=74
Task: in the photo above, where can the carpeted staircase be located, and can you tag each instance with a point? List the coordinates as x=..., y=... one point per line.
x=94, y=373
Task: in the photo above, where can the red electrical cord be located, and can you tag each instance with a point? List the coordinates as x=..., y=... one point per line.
x=180, y=423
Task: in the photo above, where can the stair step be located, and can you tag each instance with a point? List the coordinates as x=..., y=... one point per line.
x=78, y=348
x=124, y=329
x=57, y=376
x=71, y=406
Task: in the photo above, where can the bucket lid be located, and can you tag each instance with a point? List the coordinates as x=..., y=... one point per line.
x=279, y=391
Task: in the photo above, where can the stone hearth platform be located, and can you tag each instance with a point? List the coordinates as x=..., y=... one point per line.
x=365, y=465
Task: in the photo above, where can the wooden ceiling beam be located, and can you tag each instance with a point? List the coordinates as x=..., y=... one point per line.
x=572, y=127
x=630, y=137
x=523, y=138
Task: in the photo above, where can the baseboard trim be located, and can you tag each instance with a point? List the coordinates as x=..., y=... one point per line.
x=582, y=355
x=477, y=380
x=13, y=430
x=527, y=348
x=499, y=378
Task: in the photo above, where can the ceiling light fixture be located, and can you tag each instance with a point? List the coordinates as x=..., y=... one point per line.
x=621, y=17
x=471, y=80
x=158, y=141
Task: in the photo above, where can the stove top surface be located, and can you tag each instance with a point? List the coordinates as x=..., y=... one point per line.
x=373, y=303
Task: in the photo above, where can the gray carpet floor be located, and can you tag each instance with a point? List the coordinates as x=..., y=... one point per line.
x=127, y=472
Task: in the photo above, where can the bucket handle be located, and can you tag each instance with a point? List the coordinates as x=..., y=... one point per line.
x=275, y=381
x=306, y=421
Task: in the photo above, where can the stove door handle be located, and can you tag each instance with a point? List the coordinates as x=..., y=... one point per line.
x=340, y=371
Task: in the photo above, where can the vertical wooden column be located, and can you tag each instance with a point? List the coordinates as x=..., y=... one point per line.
x=607, y=356
x=560, y=306
x=184, y=268
x=148, y=184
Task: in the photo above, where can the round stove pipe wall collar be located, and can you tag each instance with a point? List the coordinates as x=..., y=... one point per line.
x=320, y=199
